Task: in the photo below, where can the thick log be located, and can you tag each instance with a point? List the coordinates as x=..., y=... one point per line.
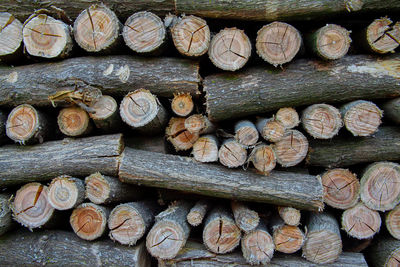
x=289, y=215
x=114, y=75
x=342, y=151
x=246, y=93
x=246, y=219
x=321, y=121
x=287, y=238
x=291, y=149
x=10, y=37
x=361, y=222
x=182, y=104
x=258, y=246
x=246, y=133
x=198, y=212
x=263, y=158
x=5, y=214
x=79, y=157
x=181, y=173
x=74, y=121
x=66, y=192
x=392, y=221
x=206, y=149
x=288, y=117
x=105, y=114
x=179, y=136
x=232, y=154
x=391, y=110
x=62, y=248
x=384, y=252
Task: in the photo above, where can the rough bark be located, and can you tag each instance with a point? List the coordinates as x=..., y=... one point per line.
x=182, y=104
x=198, y=212
x=246, y=219
x=392, y=221
x=74, y=121
x=289, y=215
x=79, y=157
x=232, y=154
x=206, y=149
x=5, y=214
x=246, y=132
x=113, y=75
x=385, y=252
x=288, y=117
x=258, y=246
x=62, y=248
x=287, y=238
x=361, y=222
x=66, y=192
x=392, y=110
x=10, y=37
x=181, y=173
x=303, y=82
x=342, y=152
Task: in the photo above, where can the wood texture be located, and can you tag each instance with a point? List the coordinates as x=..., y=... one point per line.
x=270, y=129
x=66, y=192
x=303, y=82
x=10, y=37
x=80, y=157
x=258, y=246
x=200, y=124
x=289, y=215
x=246, y=133
x=361, y=222
x=182, y=104
x=198, y=212
x=105, y=114
x=114, y=75
x=179, y=136
x=183, y=174
x=287, y=238
x=392, y=221
x=391, y=110
x=205, y=149
x=5, y=214
x=232, y=154
x=263, y=158
x=321, y=121
x=246, y=219
x=74, y=121
x=291, y=149
x=385, y=252
x=288, y=117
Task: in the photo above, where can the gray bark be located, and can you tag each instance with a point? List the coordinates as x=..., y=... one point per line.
x=5, y=214
x=392, y=110
x=380, y=253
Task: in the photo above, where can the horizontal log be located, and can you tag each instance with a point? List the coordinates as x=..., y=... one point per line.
x=303, y=82
x=181, y=173
x=77, y=157
x=114, y=75
x=342, y=151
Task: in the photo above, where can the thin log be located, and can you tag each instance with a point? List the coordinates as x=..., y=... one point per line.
x=232, y=154
x=258, y=246
x=170, y=231
x=205, y=149
x=130, y=221
x=198, y=212
x=74, y=121
x=182, y=104
x=270, y=129
x=341, y=188
x=43, y=162
x=246, y=132
x=263, y=158
x=246, y=219
x=5, y=214
x=361, y=222
x=288, y=117
x=289, y=215
x=66, y=192
x=392, y=221
x=371, y=78
x=220, y=233
x=200, y=124
x=384, y=252
x=179, y=136
x=392, y=110
x=291, y=149
x=113, y=75
x=10, y=37
x=321, y=121
x=287, y=238
x=281, y=188
x=342, y=152
x=105, y=114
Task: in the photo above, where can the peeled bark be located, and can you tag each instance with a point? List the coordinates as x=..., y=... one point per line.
x=258, y=246
x=246, y=219
x=198, y=212
x=66, y=192
x=10, y=37
x=392, y=110
x=5, y=214
x=361, y=222
x=392, y=221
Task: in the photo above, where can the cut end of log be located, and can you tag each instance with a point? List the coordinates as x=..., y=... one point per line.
x=230, y=49
x=382, y=37
x=246, y=219
x=47, y=37
x=22, y=123
x=88, y=221
x=191, y=36
x=232, y=154
x=263, y=158
x=288, y=239
x=198, y=123
x=31, y=207
x=322, y=247
x=278, y=43
x=182, y=104
x=291, y=149
x=206, y=149
x=271, y=130
x=73, y=121
x=361, y=222
x=322, y=121
x=393, y=222
x=380, y=186
x=179, y=136
x=362, y=118
x=290, y=216
x=10, y=34
x=341, y=188
x=288, y=117
x=65, y=192
x=332, y=42
x=246, y=133
x=96, y=28
x=103, y=108
x=258, y=247
x=97, y=188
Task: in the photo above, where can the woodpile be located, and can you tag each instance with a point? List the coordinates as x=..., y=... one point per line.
x=182, y=133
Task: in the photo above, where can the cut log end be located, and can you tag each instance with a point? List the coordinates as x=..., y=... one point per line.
x=332, y=42
x=200, y=124
x=97, y=188
x=341, y=188
x=322, y=247
x=103, y=108
x=290, y=216
x=10, y=34
x=89, y=221
x=382, y=37
x=191, y=36
x=271, y=130
x=288, y=117
x=74, y=121
x=196, y=215
x=144, y=32
x=246, y=133
x=361, y=118
x=288, y=239
x=394, y=259
x=263, y=158
x=380, y=186
x=361, y=222
x=322, y=121
x=232, y=154
x=278, y=43
x=258, y=247
x=205, y=149
x=230, y=49
x=179, y=136
x=291, y=149
x=393, y=222
x=22, y=123
x=246, y=219
x=182, y=104
x=66, y=192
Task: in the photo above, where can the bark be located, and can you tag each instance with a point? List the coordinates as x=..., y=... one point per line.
x=246, y=133
x=62, y=248
x=3, y=121
x=258, y=246
x=181, y=173
x=342, y=152
x=303, y=82
x=392, y=221
x=289, y=215
x=288, y=117
x=287, y=238
x=74, y=121
x=206, y=149
x=80, y=157
x=198, y=212
x=66, y=192
x=361, y=222
x=113, y=75
x=384, y=252
x=392, y=110
x=105, y=114
x=182, y=104
x=246, y=219
x=10, y=38
x=6, y=222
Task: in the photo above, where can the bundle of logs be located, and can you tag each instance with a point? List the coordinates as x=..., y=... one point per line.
x=190, y=140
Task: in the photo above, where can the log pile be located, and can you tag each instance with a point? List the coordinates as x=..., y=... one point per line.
x=200, y=133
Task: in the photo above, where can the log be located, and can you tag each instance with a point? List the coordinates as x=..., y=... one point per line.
x=170, y=231
x=130, y=221
x=105, y=114
x=3, y=121
x=74, y=121
x=220, y=233
x=361, y=118
x=142, y=111
x=391, y=110
x=278, y=43
x=43, y=162
x=341, y=188
x=232, y=154
x=321, y=121
x=361, y=222
x=198, y=212
x=231, y=54
x=113, y=75
x=10, y=37
x=205, y=149
x=246, y=133
x=89, y=220
x=291, y=149
x=6, y=222
x=97, y=29
x=270, y=129
x=288, y=117
x=47, y=37
x=182, y=104
x=371, y=78
x=144, y=33
x=103, y=189
x=263, y=158
x=62, y=248
x=329, y=42
x=281, y=188
x=179, y=136
x=191, y=36
x=380, y=186
x=342, y=151
x=258, y=246
x=287, y=238
x=245, y=218
x=200, y=124
x=289, y=215
x=26, y=125
x=323, y=242
x=66, y=192
x=392, y=222
x=384, y=252
x=31, y=207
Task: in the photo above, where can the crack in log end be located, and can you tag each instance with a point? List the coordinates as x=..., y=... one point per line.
x=9, y=22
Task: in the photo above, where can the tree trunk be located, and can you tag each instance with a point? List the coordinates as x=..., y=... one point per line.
x=10, y=38
x=263, y=158
x=392, y=110
x=342, y=151
x=6, y=221
x=182, y=104
x=206, y=149
x=74, y=121
x=291, y=149
x=179, y=136
x=113, y=75
x=288, y=117
x=392, y=221
x=198, y=212
x=66, y=192
x=258, y=246
x=181, y=173
x=62, y=248
x=384, y=252
x=232, y=154
x=246, y=133
x=287, y=239
x=105, y=114
x=43, y=162
x=270, y=129
x=361, y=222
x=289, y=215
x=303, y=82
x=246, y=219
